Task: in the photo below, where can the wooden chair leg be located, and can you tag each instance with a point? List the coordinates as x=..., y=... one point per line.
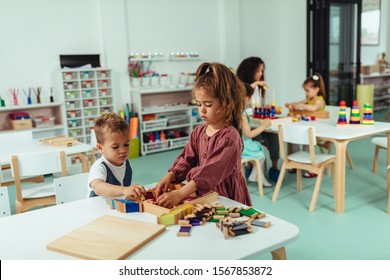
x=316, y=190
x=243, y=169
x=256, y=164
x=299, y=180
x=375, y=166
x=279, y=183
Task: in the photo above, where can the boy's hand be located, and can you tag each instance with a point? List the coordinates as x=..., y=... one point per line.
x=169, y=200
x=134, y=190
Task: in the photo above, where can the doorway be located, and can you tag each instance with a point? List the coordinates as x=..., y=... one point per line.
x=333, y=46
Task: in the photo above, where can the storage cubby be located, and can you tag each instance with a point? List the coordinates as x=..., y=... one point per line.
x=88, y=93
x=166, y=118
x=381, y=84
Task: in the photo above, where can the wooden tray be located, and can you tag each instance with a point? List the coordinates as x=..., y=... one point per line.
x=274, y=122
x=106, y=238
x=317, y=114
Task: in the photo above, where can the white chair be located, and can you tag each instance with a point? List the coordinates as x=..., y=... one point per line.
x=71, y=188
x=256, y=164
x=94, y=152
x=302, y=135
x=17, y=138
x=334, y=115
x=35, y=165
x=380, y=143
x=5, y=208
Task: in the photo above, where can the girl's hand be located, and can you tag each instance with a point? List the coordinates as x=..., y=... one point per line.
x=169, y=200
x=164, y=183
x=259, y=83
x=266, y=123
x=134, y=190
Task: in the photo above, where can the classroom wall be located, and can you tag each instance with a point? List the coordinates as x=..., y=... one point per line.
x=34, y=33
x=370, y=54
x=279, y=38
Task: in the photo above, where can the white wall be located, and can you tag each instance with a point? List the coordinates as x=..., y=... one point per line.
x=270, y=30
x=370, y=54
x=33, y=35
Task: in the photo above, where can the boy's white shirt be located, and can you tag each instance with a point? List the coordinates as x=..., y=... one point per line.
x=98, y=171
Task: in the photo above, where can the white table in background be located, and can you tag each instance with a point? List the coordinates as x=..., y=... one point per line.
x=78, y=149
x=327, y=130
x=25, y=236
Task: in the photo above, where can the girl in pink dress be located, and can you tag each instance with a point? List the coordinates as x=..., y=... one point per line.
x=211, y=160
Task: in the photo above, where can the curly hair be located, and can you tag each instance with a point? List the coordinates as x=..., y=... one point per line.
x=109, y=123
x=248, y=67
x=220, y=82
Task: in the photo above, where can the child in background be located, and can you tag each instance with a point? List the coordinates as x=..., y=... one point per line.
x=253, y=149
x=315, y=95
x=110, y=175
x=211, y=160
x=251, y=71
x=315, y=101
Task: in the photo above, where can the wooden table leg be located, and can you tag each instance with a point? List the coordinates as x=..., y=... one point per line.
x=341, y=149
x=84, y=161
x=279, y=254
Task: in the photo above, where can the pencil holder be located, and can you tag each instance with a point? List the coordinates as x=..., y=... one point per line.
x=155, y=81
x=135, y=82
x=145, y=81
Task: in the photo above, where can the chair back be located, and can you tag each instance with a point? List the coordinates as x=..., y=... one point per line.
x=16, y=137
x=298, y=134
x=5, y=208
x=38, y=163
x=71, y=188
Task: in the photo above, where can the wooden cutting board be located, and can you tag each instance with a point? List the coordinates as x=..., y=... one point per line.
x=106, y=238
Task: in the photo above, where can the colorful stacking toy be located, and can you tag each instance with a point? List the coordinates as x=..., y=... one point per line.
x=342, y=113
x=368, y=119
x=355, y=113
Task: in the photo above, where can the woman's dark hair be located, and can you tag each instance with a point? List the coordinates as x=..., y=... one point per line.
x=248, y=67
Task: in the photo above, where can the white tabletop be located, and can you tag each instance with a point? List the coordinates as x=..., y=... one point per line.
x=25, y=236
x=328, y=129
x=11, y=148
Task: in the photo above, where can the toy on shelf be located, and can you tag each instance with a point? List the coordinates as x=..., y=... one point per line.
x=368, y=119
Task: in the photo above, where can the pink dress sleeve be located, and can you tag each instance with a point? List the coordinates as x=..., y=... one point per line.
x=214, y=163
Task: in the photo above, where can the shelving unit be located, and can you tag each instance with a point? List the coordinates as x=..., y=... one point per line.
x=88, y=93
x=53, y=109
x=165, y=112
x=381, y=84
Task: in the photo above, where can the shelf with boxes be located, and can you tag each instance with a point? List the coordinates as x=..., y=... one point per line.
x=88, y=93
x=143, y=74
x=166, y=118
x=381, y=84
x=44, y=119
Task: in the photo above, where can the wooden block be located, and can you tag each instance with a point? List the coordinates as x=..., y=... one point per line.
x=260, y=223
x=317, y=114
x=234, y=215
x=184, y=231
x=274, y=122
x=184, y=222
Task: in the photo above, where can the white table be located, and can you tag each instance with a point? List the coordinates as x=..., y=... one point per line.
x=78, y=149
x=326, y=129
x=25, y=236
